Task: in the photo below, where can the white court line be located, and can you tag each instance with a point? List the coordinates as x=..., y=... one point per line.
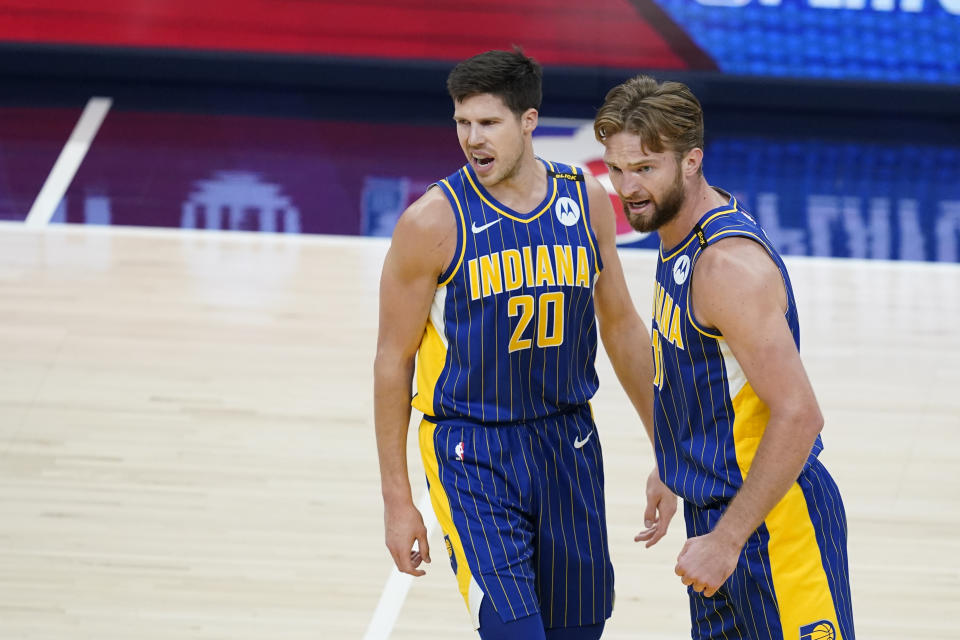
x=398, y=584
x=67, y=164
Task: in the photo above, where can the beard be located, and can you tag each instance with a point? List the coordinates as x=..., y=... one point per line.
x=664, y=211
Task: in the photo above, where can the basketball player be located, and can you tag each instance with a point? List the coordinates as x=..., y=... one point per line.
x=491, y=285
x=736, y=421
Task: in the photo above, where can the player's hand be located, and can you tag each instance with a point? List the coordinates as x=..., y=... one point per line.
x=661, y=505
x=404, y=526
x=706, y=561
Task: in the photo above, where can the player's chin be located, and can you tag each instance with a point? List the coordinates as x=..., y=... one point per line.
x=641, y=223
x=489, y=178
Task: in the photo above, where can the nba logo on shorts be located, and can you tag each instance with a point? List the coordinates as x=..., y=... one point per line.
x=459, y=450
x=822, y=630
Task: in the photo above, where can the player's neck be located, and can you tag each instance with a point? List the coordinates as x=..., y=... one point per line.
x=700, y=199
x=525, y=188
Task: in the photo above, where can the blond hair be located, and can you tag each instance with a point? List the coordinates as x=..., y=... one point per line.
x=666, y=115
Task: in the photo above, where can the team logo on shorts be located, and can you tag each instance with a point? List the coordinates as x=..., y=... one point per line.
x=681, y=270
x=822, y=630
x=450, y=554
x=459, y=450
x=568, y=211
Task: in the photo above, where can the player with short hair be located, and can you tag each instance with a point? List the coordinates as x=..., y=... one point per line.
x=492, y=286
x=737, y=425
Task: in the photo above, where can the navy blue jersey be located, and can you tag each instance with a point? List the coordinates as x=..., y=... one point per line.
x=511, y=334
x=708, y=420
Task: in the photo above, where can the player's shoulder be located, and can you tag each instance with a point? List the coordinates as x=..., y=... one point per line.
x=571, y=172
x=426, y=233
x=594, y=188
x=561, y=170
x=734, y=263
x=602, y=216
x=428, y=215
x=574, y=173
x=733, y=254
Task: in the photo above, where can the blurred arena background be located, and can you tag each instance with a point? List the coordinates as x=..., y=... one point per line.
x=194, y=204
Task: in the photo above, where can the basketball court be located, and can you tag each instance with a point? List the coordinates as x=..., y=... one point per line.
x=195, y=204
x=187, y=450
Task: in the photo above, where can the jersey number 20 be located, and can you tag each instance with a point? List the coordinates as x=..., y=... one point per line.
x=548, y=334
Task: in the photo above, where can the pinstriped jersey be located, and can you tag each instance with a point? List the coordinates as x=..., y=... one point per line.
x=708, y=420
x=511, y=334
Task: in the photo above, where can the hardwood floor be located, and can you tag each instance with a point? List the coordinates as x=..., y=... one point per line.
x=187, y=450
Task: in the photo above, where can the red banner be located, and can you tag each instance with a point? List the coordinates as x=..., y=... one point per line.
x=600, y=33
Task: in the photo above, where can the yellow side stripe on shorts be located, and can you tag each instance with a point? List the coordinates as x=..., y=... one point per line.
x=796, y=566
x=441, y=506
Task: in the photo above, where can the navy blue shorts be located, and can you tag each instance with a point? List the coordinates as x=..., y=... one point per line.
x=522, y=511
x=792, y=580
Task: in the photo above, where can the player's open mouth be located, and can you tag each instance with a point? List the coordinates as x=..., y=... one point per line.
x=481, y=162
x=636, y=206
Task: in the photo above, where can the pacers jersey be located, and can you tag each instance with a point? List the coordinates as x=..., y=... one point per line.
x=708, y=420
x=511, y=334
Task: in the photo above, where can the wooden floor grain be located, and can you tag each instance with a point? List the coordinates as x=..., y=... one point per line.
x=187, y=450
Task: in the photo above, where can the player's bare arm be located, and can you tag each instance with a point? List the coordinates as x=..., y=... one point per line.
x=627, y=343
x=423, y=245
x=738, y=289
x=625, y=336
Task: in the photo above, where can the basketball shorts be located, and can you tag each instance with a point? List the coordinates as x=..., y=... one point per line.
x=522, y=510
x=792, y=581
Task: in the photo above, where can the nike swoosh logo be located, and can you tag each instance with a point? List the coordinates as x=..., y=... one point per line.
x=476, y=229
x=578, y=443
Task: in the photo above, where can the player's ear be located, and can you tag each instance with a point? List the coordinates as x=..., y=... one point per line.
x=691, y=161
x=528, y=120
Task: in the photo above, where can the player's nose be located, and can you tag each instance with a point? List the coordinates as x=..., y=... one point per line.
x=475, y=135
x=629, y=187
